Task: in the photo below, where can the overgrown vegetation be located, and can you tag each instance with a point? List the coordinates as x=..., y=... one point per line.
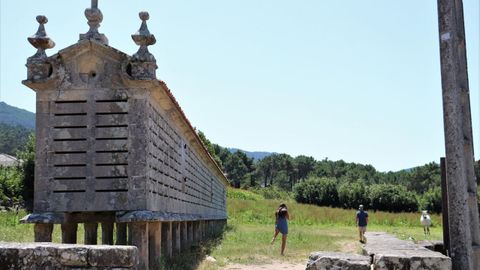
x=16, y=183
x=334, y=183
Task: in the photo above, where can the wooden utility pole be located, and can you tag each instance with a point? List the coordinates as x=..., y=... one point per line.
x=463, y=215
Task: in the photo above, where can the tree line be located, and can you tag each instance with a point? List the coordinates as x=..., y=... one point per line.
x=335, y=183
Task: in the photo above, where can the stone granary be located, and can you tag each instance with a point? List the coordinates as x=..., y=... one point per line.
x=114, y=148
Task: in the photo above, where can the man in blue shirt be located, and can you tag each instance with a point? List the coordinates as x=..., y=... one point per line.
x=362, y=221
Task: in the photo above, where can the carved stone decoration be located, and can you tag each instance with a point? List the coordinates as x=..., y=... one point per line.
x=143, y=64
x=94, y=17
x=37, y=65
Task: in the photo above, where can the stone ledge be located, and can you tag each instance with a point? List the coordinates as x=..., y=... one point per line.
x=66, y=256
x=336, y=261
x=389, y=252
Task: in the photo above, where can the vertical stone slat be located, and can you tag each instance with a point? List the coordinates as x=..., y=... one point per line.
x=107, y=233
x=177, y=237
x=139, y=238
x=69, y=233
x=91, y=233
x=167, y=248
x=154, y=244
x=43, y=232
x=184, y=228
x=190, y=232
x=121, y=233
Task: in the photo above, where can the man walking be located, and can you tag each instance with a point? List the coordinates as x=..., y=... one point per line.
x=362, y=221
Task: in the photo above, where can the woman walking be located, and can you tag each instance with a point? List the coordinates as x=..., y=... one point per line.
x=281, y=225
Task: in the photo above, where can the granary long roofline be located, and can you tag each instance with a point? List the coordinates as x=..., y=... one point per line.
x=177, y=106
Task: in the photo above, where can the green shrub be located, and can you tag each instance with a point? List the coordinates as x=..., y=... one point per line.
x=319, y=191
x=242, y=194
x=431, y=200
x=273, y=193
x=394, y=198
x=352, y=194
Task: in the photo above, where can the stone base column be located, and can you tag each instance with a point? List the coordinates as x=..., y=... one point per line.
x=177, y=237
x=167, y=239
x=91, y=230
x=154, y=244
x=184, y=232
x=139, y=238
x=43, y=232
x=107, y=233
x=190, y=232
x=121, y=233
x=69, y=233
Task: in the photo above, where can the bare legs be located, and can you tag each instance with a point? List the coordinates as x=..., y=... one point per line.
x=274, y=236
x=284, y=240
x=361, y=234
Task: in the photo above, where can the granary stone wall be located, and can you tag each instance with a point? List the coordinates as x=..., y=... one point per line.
x=180, y=180
x=107, y=142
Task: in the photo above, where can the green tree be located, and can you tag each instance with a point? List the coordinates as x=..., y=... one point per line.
x=304, y=165
x=27, y=155
x=394, y=198
x=352, y=194
x=319, y=191
x=431, y=200
x=210, y=147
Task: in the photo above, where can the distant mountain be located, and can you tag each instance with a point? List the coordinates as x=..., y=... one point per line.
x=255, y=155
x=14, y=116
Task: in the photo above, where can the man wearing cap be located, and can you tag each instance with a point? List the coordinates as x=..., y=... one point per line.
x=362, y=221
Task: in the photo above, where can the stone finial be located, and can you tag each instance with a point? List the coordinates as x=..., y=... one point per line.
x=143, y=62
x=40, y=41
x=37, y=66
x=94, y=17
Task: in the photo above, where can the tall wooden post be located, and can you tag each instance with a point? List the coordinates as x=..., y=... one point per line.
x=463, y=216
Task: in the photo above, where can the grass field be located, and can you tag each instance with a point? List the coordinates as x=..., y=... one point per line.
x=311, y=228
x=251, y=224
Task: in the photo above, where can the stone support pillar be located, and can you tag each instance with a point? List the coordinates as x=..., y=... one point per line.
x=177, y=237
x=190, y=232
x=107, y=233
x=43, y=232
x=91, y=233
x=184, y=228
x=154, y=244
x=167, y=239
x=139, y=238
x=196, y=232
x=463, y=215
x=69, y=233
x=121, y=233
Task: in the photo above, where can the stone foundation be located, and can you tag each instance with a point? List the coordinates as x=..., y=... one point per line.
x=338, y=261
x=27, y=256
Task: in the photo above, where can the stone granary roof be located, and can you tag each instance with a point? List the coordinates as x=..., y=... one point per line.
x=8, y=161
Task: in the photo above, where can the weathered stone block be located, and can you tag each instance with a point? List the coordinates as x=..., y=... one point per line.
x=113, y=256
x=390, y=253
x=338, y=261
x=72, y=256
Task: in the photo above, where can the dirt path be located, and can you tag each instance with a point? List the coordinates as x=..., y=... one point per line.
x=271, y=266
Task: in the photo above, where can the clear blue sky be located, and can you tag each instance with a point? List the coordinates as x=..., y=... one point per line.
x=353, y=80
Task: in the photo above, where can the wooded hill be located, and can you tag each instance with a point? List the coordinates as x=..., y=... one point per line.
x=15, y=127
